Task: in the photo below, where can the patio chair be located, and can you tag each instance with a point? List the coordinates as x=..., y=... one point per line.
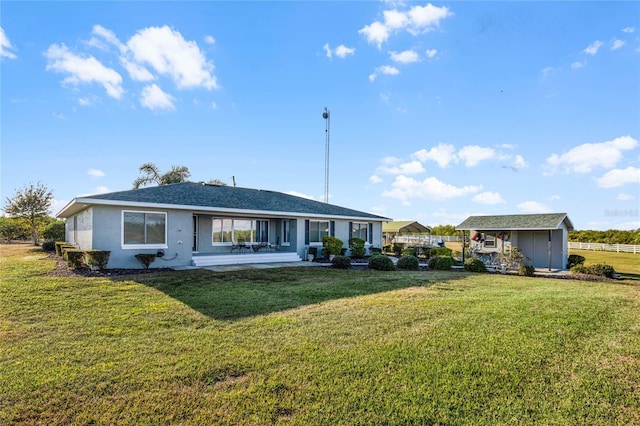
x=240, y=246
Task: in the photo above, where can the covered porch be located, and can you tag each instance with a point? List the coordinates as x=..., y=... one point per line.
x=201, y=260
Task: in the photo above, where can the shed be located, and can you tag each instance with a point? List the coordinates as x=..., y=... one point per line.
x=543, y=238
x=405, y=230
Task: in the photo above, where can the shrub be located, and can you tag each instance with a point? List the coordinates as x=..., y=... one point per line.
x=408, y=263
x=375, y=250
x=397, y=248
x=381, y=263
x=386, y=248
x=58, y=246
x=409, y=251
x=599, y=269
x=97, y=258
x=474, y=265
x=146, y=259
x=526, y=270
x=313, y=251
x=331, y=245
x=66, y=247
x=54, y=231
x=75, y=258
x=356, y=245
x=441, y=263
x=49, y=246
x=575, y=259
x=440, y=251
x=341, y=262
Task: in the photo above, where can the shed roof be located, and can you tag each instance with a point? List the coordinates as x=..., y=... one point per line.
x=514, y=222
x=404, y=227
x=206, y=197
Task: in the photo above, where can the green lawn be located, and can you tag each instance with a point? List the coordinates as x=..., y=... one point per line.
x=315, y=346
x=625, y=263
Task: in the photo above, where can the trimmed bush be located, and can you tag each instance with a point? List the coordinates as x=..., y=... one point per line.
x=375, y=250
x=54, y=231
x=75, y=258
x=474, y=265
x=146, y=259
x=409, y=251
x=97, y=258
x=341, y=262
x=440, y=251
x=58, y=246
x=397, y=248
x=49, y=246
x=526, y=270
x=381, y=263
x=598, y=269
x=575, y=259
x=441, y=263
x=65, y=248
x=356, y=245
x=331, y=245
x=408, y=263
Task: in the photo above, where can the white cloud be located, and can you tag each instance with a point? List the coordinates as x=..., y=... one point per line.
x=533, y=207
x=617, y=44
x=385, y=70
x=405, y=188
x=474, y=154
x=153, y=97
x=410, y=168
x=417, y=20
x=628, y=30
x=443, y=154
x=343, y=51
x=375, y=179
x=301, y=195
x=488, y=198
x=6, y=46
x=405, y=57
x=554, y=197
x=95, y=173
x=59, y=116
x=431, y=53
x=83, y=70
x=209, y=40
x=625, y=197
x=586, y=157
x=619, y=177
x=169, y=54
x=102, y=190
x=577, y=65
x=593, y=48
x=518, y=163
x=84, y=101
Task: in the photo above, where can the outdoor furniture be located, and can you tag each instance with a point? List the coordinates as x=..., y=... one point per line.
x=240, y=246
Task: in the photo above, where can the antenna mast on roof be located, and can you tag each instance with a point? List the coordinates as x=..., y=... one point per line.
x=327, y=118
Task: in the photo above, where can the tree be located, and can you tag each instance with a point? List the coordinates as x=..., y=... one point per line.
x=13, y=229
x=32, y=203
x=177, y=174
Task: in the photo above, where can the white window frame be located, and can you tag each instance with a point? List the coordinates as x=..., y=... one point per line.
x=143, y=246
x=253, y=232
x=319, y=243
x=361, y=225
x=286, y=232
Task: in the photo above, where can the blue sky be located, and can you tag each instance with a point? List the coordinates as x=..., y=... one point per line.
x=438, y=110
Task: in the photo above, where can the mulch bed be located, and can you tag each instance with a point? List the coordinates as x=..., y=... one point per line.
x=62, y=269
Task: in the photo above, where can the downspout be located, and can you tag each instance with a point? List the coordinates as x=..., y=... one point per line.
x=549, y=250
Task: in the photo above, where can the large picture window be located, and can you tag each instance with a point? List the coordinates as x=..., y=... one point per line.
x=360, y=230
x=227, y=231
x=317, y=230
x=144, y=229
x=286, y=232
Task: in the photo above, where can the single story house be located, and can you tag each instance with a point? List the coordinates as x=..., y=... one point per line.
x=543, y=238
x=197, y=224
x=405, y=231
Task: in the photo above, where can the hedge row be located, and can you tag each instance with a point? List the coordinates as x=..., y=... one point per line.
x=82, y=258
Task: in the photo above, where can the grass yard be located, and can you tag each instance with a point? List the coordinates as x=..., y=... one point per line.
x=314, y=346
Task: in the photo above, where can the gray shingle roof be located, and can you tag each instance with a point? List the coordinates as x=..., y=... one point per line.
x=516, y=221
x=205, y=196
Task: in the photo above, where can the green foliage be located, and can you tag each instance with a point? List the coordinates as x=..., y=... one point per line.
x=386, y=248
x=526, y=270
x=177, y=174
x=64, y=248
x=375, y=250
x=331, y=245
x=32, y=203
x=54, y=231
x=599, y=269
x=444, y=230
x=409, y=251
x=341, y=262
x=313, y=251
x=611, y=236
x=381, y=263
x=49, y=246
x=441, y=263
x=75, y=258
x=408, y=263
x=146, y=259
x=440, y=251
x=575, y=259
x=397, y=248
x=59, y=244
x=474, y=265
x=356, y=246
x=97, y=258
x=13, y=229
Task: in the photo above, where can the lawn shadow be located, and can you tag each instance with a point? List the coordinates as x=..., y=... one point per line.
x=240, y=294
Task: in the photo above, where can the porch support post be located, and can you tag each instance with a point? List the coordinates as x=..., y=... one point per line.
x=549, y=250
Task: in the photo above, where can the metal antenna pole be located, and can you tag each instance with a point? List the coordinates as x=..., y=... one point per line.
x=327, y=118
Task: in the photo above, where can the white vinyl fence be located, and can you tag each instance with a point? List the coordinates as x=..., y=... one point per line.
x=423, y=240
x=627, y=248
